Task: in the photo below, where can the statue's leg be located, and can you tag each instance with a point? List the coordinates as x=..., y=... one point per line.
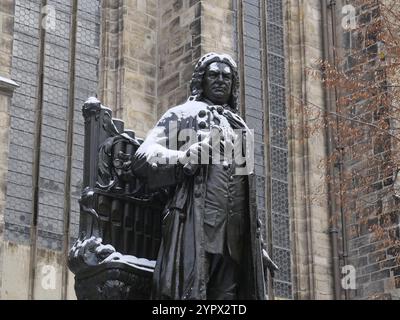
x=223, y=277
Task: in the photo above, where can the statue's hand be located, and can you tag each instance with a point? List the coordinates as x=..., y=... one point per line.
x=266, y=259
x=228, y=140
x=198, y=153
x=216, y=145
x=220, y=143
x=268, y=263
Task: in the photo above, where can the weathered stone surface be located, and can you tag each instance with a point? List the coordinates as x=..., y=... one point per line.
x=312, y=251
x=6, y=34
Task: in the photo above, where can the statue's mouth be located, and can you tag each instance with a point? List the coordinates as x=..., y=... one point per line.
x=220, y=89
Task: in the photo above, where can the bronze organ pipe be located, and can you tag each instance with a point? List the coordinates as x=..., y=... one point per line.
x=128, y=214
x=104, y=203
x=116, y=205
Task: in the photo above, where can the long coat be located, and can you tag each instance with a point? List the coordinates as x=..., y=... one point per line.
x=180, y=271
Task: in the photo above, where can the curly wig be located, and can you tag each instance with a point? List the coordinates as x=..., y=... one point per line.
x=196, y=85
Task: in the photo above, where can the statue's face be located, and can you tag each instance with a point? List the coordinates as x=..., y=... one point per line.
x=217, y=83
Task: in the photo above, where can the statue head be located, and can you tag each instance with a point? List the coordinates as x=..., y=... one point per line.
x=215, y=78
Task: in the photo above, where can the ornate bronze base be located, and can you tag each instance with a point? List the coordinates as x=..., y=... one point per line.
x=113, y=281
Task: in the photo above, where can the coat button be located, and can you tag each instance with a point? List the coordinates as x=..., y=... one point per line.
x=231, y=178
x=202, y=125
x=225, y=165
x=202, y=113
x=220, y=109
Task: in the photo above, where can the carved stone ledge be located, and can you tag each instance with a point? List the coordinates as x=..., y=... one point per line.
x=7, y=86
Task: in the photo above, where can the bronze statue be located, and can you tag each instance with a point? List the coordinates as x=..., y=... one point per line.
x=211, y=246
x=174, y=215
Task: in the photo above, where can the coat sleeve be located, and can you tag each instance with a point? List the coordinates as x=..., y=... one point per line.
x=156, y=161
